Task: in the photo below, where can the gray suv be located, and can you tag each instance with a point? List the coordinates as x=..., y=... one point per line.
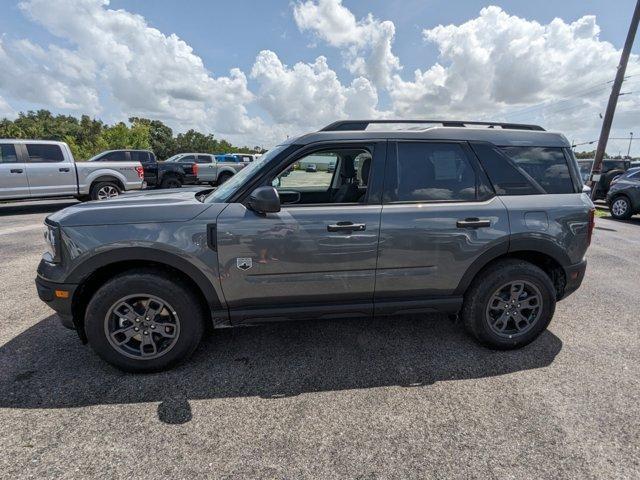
x=486, y=221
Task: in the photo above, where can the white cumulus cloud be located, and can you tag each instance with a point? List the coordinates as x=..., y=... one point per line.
x=366, y=43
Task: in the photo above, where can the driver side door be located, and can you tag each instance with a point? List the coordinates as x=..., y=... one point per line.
x=314, y=258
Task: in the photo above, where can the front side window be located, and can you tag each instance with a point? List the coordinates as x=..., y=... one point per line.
x=547, y=166
x=310, y=180
x=430, y=172
x=43, y=153
x=8, y=153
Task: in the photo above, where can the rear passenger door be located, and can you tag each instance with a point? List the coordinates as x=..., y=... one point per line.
x=13, y=173
x=48, y=172
x=439, y=214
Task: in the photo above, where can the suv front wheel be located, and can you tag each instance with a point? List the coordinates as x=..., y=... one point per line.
x=509, y=304
x=144, y=322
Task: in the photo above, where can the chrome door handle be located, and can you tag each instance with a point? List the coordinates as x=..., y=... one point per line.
x=473, y=223
x=16, y=170
x=347, y=227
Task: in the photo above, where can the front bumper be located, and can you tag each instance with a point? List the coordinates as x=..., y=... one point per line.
x=575, y=275
x=59, y=297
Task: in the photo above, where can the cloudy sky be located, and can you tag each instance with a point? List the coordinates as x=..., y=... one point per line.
x=256, y=72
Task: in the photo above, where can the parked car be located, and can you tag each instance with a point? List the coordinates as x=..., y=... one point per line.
x=210, y=170
x=156, y=174
x=488, y=223
x=245, y=157
x=611, y=168
x=311, y=168
x=623, y=197
x=42, y=169
x=331, y=168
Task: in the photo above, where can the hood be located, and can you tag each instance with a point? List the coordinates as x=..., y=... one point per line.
x=154, y=206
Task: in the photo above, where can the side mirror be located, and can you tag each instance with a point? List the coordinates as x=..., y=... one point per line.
x=264, y=200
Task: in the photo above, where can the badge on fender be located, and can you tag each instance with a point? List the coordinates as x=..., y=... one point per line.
x=244, y=263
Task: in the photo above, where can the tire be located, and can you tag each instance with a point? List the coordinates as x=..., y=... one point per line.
x=620, y=208
x=175, y=330
x=478, y=317
x=104, y=190
x=171, y=181
x=224, y=177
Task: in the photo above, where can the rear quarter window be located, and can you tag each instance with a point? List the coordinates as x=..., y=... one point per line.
x=547, y=166
x=526, y=170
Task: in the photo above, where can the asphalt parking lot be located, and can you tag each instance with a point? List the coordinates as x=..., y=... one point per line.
x=402, y=398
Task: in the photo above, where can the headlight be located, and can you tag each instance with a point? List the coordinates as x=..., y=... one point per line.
x=52, y=242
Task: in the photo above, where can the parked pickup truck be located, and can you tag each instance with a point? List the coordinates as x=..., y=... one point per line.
x=212, y=169
x=38, y=169
x=156, y=174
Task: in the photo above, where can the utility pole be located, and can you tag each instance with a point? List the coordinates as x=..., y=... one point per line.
x=630, y=140
x=613, y=100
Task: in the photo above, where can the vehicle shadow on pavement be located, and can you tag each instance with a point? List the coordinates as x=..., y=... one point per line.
x=47, y=367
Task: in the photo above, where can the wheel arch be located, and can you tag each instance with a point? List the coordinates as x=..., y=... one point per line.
x=93, y=273
x=107, y=178
x=542, y=253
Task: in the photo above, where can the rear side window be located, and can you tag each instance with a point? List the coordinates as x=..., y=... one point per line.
x=142, y=157
x=43, y=153
x=187, y=159
x=547, y=166
x=431, y=172
x=8, y=153
x=204, y=159
x=117, y=156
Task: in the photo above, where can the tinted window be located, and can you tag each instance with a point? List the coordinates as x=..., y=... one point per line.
x=506, y=178
x=204, y=159
x=42, y=153
x=8, y=153
x=187, y=159
x=117, y=156
x=142, y=157
x=547, y=166
x=431, y=172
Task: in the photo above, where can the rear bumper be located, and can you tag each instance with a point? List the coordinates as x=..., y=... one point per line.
x=59, y=297
x=575, y=275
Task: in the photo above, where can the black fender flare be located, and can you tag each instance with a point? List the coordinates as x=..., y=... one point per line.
x=513, y=245
x=122, y=254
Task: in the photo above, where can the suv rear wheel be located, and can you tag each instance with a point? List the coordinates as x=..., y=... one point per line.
x=144, y=322
x=621, y=208
x=509, y=304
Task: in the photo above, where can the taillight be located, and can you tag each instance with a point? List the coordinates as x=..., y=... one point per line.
x=140, y=171
x=592, y=224
x=195, y=168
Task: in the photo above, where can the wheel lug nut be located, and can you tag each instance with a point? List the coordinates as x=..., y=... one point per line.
x=146, y=332
x=136, y=329
x=137, y=320
x=146, y=318
x=153, y=326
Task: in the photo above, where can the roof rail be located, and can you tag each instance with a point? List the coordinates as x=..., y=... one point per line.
x=363, y=124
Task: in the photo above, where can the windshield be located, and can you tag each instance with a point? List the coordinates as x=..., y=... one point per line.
x=224, y=191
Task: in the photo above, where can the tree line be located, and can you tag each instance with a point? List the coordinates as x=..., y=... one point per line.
x=88, y=136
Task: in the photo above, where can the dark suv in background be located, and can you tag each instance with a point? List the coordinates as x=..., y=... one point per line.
x=623, y=197
x=485, y=220
x=156, y=174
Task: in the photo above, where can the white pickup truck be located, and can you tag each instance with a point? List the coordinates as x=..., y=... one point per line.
x=42, y=168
